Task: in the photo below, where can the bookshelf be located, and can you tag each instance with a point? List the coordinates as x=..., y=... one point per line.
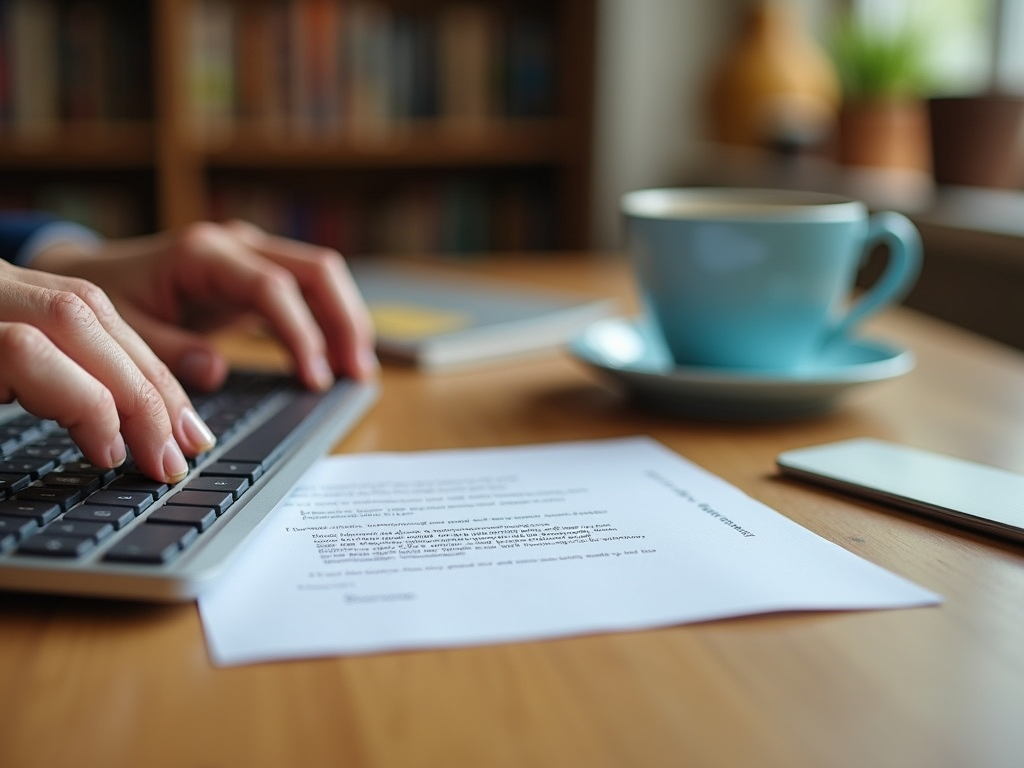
x=369, y=125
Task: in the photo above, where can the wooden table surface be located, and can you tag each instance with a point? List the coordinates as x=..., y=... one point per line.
x=93, y=683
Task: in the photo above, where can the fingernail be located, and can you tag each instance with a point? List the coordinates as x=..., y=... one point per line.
x=175, y=466
x=117, y=454
x=322, y=374
x=198, y=436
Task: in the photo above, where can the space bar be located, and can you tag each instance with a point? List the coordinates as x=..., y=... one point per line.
x=266, y=443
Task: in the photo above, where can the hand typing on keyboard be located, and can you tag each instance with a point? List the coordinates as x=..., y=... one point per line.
x=97, y=338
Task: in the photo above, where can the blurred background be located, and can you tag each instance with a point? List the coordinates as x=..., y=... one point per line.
x=824, y=93
x=467, y=126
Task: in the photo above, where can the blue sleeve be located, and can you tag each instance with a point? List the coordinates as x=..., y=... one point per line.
x=23, y=234
x=16, y=229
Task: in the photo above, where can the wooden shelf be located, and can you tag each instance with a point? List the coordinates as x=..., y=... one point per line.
x=88, y=145
x=196, y=142
x=507, y=143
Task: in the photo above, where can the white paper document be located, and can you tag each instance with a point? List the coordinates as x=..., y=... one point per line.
x=387, y=551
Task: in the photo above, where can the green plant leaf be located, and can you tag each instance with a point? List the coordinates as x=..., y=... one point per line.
x=878, y=64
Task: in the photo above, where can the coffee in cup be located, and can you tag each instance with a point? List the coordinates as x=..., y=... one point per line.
x=761, y=279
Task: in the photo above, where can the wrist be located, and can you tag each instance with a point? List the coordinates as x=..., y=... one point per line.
x=60, y=258
x=58, y=246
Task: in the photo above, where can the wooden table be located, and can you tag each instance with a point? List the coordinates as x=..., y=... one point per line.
x=91, y=683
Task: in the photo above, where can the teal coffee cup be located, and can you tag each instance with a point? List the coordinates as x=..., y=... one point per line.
x=761, y=279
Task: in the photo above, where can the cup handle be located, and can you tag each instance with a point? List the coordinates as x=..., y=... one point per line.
x=901, y=237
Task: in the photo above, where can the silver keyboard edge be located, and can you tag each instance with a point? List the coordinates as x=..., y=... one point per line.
x=183, y=579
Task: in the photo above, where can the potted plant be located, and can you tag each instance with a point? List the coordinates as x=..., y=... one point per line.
x=976, y=137
x=883, y=117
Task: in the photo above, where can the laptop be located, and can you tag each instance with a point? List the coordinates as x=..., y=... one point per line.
x=70, y=528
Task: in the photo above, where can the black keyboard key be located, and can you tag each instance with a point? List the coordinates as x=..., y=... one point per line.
x=218, y=500
x=251, y=471
x=13, y=436
x=233, y=485
x=56, y=546
x=200, y=517
x=140, y=484
x=11, y=484
x=80, y=530
x=84, y=483
x=42, y=512
x=86, y=468
x=58, y=453
x=33, y=467
x=62, y=497
x=225, y=424
x=133, y=499
x=266, y=443
x=119, y=517
x=26, y=427
x=154, y=543
x=19, y=527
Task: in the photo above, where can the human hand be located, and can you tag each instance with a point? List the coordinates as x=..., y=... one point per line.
x=90, y=339
x=172, y=287
x=68, y=356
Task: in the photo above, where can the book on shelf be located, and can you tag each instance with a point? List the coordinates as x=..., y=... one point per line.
x=85, y=39
x=212, y=81
x=111, y=211
x=72, y=63
x=528, y=89
x=468, y=36
x=439, y=321
x=365, y=68
x=106, y=208
x=442, y=214
x=31, y=34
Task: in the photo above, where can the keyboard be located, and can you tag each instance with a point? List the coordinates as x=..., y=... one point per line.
x=69, y=527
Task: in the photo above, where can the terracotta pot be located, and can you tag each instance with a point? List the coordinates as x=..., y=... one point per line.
x=889, y=133
x=976, y=140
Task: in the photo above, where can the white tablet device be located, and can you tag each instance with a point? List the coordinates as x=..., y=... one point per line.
x=953, y=490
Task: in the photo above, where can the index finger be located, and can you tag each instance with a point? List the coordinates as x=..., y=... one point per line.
x=79, y=320
x=331, y=293
x=49, y=384
x=217, y=267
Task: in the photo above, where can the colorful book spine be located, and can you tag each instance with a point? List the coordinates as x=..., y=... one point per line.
x=212, y=70
x=461, y=215
x=364, y=68
x=71, y=63
x=34, y=70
